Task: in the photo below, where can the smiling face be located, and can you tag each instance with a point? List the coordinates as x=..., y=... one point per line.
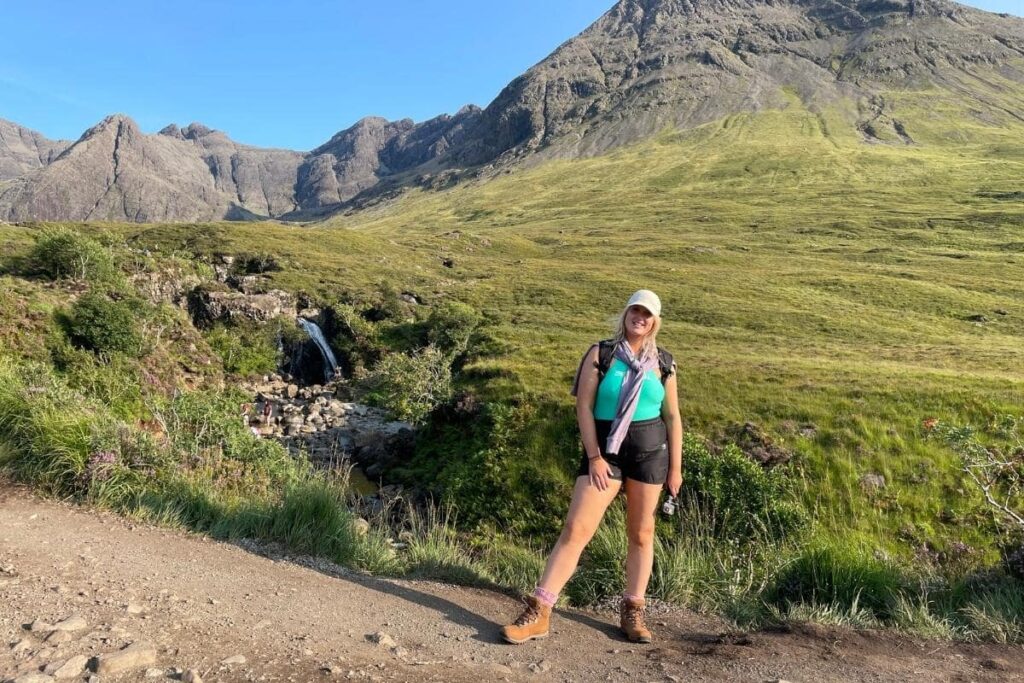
x=639, y=322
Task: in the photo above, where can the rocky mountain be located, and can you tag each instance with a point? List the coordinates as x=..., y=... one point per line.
x=114, y=172
x=23, y=150
x=651, y=64
x=644, y=66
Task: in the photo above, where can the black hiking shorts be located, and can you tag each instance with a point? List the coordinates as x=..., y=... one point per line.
x=643, y=455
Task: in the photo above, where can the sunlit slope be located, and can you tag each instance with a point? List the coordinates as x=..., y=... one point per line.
x=808, y=276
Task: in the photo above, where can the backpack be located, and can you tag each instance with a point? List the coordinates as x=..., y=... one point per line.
x=606, y=354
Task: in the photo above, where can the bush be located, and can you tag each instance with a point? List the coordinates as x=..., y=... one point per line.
x=355, y=340
x=97, y=323
x=496, y=467
x=61, y=253
x=742, y=500
x=245, y=349
x=410, y=386
x=451, y=326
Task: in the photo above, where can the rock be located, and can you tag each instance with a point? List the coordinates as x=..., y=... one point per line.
x=1001, y=311
x=135, y=608
x=399, y=651
x=755, y=443
x=40, y=626
x=58, y=637
x=21, y=645
x=361, y=526
x=75, y=623
x=191, y=676
x=976, y=318
x=33, y=678
x=71, y=668
x=235, y=660
x=154, y=673
x=134, y=656
x=540, y=667
x=292, y=390
x=872, y=482
x=208, y=307
x=382, y=639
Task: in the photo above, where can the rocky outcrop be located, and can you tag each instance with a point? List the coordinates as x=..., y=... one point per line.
x=23, y=150
x=208, y=306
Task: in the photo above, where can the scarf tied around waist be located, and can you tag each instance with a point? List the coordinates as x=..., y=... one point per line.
x=629, y=395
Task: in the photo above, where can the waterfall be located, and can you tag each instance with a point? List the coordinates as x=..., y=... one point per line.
x=314, y=332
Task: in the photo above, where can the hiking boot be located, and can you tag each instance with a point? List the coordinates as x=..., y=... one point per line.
x=532, y=623
x=631, y=620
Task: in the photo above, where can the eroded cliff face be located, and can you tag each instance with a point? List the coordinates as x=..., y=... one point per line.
x=23, y=150
x=645, y=66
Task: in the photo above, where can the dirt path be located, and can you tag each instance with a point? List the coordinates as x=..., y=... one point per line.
x=199, y=602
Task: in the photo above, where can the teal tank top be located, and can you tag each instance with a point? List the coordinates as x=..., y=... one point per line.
x=652, y=393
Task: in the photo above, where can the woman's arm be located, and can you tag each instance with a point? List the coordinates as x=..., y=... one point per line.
x=586, y=393
x=670, y=414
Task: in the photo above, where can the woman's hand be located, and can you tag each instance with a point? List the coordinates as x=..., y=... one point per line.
x=600, y=473
x=674, y=481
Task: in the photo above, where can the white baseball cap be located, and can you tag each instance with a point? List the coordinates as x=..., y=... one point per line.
x=647, y=299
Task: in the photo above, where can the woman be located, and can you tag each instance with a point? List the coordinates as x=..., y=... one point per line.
x=632, y=439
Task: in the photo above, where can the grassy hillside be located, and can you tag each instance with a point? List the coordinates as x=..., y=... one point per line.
x=807, y=277
x=834, y=289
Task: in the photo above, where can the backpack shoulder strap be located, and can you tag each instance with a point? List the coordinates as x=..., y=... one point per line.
x=605, y=355
x=666, y=364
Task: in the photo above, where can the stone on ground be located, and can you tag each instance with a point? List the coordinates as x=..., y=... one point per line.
x=135, y=656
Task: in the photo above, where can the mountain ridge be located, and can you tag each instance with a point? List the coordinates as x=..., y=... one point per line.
x=642, y=67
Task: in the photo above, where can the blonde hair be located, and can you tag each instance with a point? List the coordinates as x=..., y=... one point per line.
x=649, y=346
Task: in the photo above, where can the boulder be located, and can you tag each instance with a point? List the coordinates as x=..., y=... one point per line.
x=134, y=656
x=872, y=482
x=756, y=444
x=207, y=307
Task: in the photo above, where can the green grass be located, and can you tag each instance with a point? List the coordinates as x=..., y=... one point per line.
x=808, y=278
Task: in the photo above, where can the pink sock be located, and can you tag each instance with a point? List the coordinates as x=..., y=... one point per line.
x=545, y=597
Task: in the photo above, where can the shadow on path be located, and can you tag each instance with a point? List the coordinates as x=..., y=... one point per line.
x=486, y=630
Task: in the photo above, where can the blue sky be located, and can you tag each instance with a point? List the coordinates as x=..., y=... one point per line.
x=271, y=73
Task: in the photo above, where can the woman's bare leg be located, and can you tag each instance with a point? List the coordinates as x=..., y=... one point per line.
x=641, y=502
x=585, y=513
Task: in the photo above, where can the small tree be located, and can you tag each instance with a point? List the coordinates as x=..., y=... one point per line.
x=99, y=324
x=410, y=386
x=451, y=325
x=61, y=253
x=997, y=470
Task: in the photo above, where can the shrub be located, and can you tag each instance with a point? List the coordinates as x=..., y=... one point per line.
x=355, y=340
x=451, y=326
x=116, y=382
x=61, y=253
x=496, y=467
x=245, y=349
x=410, y=386
x=99, y=324
x=742, y=500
